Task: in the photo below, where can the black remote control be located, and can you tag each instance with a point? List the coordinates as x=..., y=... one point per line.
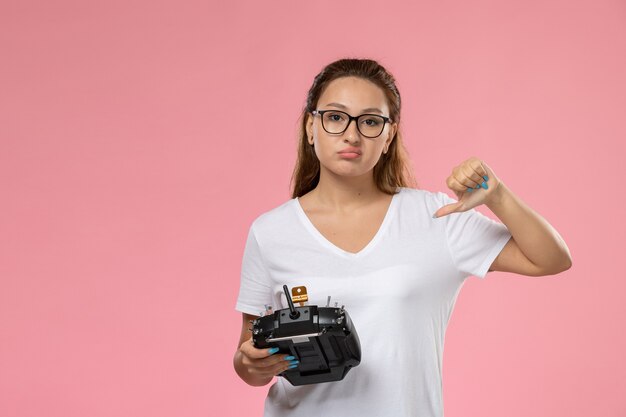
x=323, y=339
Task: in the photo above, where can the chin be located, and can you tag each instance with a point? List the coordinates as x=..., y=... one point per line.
x=351, y=173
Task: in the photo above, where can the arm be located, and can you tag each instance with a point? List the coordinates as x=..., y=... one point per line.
x=535, y=248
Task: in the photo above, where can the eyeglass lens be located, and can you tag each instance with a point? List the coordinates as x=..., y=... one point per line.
x=368, y=124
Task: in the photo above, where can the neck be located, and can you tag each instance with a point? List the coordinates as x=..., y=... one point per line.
x=337, y=191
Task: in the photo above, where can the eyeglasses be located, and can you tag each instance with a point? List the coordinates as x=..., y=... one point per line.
x=337, y=122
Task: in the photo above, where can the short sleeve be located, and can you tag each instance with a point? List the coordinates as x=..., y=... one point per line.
x=474, y=239
x=254, y=288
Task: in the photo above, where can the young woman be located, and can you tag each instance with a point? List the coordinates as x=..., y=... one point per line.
x=396, y=256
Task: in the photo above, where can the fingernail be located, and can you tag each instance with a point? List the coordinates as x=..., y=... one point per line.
x=477, y=187
x=435, y=216
x=469, y=190
x=486, y=178
x=273, y=350
x=289, y=358
x=292, y=366
x=484, y=185
x=294, y=362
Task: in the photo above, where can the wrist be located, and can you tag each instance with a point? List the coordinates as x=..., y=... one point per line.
x=242, y=371
x=497, y=196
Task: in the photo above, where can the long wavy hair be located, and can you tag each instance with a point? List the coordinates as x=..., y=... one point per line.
x=393, y=169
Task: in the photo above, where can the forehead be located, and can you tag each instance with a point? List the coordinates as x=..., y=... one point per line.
x=355, y=93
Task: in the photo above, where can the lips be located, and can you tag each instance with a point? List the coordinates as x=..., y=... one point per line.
x=350, y=151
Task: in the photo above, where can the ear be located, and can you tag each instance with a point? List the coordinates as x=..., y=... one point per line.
x=309, y=128
x=393, y=128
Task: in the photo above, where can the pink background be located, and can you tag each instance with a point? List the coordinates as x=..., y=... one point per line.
x=139, y=139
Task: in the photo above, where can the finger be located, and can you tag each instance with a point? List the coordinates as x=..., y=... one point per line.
x=289, y=367
x=248, y=349
x=284, y=366
x=456, y=185
x=447, y=209
x=272, y=370
x=273, y=361
x=465, y=175
x=250, y=357
x=479, y=167
x=475, y=178
x=267, y=372
x=465, y=180
x=266, y=364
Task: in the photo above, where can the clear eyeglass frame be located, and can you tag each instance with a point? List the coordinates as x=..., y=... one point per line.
x=350, y=119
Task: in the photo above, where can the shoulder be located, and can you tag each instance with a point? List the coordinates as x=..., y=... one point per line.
x=423, y=198
x=275, y=219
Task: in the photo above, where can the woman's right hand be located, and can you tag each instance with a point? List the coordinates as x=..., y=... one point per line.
x=263, y=363
x=255, y=366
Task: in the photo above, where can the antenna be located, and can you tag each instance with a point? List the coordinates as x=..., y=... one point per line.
x=294, y=314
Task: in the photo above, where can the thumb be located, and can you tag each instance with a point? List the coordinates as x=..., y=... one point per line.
x=447, y=209
x=248, y=349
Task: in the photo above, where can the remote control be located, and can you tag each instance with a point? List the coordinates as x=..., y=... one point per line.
x=323, y=339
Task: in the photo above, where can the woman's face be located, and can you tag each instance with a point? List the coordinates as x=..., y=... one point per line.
x=350, y=153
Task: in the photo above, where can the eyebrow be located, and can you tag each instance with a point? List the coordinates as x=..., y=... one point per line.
x=341, y=106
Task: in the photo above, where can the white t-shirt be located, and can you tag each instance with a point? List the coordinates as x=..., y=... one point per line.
x=399, y=292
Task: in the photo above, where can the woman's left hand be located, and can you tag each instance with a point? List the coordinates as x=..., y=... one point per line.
x=473, y=182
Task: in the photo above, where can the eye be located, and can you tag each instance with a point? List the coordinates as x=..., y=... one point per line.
x=371, y=122
x=334, y=117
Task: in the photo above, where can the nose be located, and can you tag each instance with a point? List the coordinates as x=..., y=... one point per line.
x=352, y=133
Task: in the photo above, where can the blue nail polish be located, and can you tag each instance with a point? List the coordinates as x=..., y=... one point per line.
x=273, y=350
x=294, y=362
x=469, y=190
x=289, y=358
x=486, y=178
x=293, y=366
x=484, y=185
